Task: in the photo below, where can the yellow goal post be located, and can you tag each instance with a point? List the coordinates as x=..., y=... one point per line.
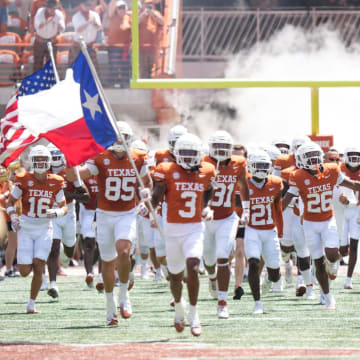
x=313, y=85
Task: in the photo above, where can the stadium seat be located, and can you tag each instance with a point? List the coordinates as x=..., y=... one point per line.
x=10, y=41
x=16, y=25
x=9, y=67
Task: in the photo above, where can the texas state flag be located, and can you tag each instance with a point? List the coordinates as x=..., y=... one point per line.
x=70, y=114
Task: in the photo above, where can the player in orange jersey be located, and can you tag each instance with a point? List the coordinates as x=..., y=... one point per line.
x=116, y=215
x=38, y=191
x=64, y=229
x=186, y=185
x=221, y=232
x=261, y=237
x=315, y=182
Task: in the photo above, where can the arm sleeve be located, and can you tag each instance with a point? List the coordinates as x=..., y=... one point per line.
x=159, y=174
x=341, y=177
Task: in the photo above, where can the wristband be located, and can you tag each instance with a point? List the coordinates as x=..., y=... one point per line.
x=10, y=209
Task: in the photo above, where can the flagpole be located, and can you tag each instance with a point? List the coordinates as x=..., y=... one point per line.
x=57, y=79
x=112, y=119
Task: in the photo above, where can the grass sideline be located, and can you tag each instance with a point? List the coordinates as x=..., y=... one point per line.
x=79, y=317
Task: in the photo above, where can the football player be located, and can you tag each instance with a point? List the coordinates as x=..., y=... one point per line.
x=116, y=215
x=351, y=231
x=38, y=191
x=315, y=182
x=221, y=232
x=186, y=185
x=261, y=238
x=64, y=227
x=287, y=242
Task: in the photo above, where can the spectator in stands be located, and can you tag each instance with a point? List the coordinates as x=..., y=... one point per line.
x=119, y=43
x=86, y=23
x=4, y=15
x=49, y=22
x=23, y=8
x=150, y=35
x=37, y=4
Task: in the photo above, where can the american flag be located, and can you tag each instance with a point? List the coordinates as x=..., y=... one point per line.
x=14, y=137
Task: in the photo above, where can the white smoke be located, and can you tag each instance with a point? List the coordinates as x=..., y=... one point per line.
x=264, y=114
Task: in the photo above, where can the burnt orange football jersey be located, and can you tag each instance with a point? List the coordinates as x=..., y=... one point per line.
x=163, y=155
x=353, y=175
x=117, y=180
x=262, y=203
x=315, y=193
x=223, y=199
x=284, y=162
x=38, y=196
x=92, y=186
x=184, y=190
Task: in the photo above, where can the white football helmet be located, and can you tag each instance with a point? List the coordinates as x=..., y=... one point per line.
x=174, y=134
x=221, y=145
x=352, y=156
x=57, y=157
x=40, y=159
x=273, y=151
x=139, y=145
x=126, y=132
x=283, y=145
x=310, y=155
x=259, y=164
x=188, y=151
x=297, y=142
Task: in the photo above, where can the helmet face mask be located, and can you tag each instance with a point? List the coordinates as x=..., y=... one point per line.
x=221, y=146
x=259, y=165
x=352, y=157
x=188, y=152
x=40, y=159
x=311, y=156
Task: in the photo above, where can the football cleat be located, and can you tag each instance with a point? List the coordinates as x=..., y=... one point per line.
x=32, y=311
x=112, y=320
x=222, y=310
x=144, y=275
x=100, y=286
x=238, y=293
x=213, y=288
x=330, y=303
x=348, y=284
x=11, y=273
x=310, y=295
x=196, y=329
x=332, y=269
x=89, y=280
x=158, y=274
x=125, y=308
x=53, y=292
x=179, y=325
x=277, y=287
x=301, y=290
x=259, y=309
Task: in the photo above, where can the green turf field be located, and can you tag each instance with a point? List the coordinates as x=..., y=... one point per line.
x=79, y=317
